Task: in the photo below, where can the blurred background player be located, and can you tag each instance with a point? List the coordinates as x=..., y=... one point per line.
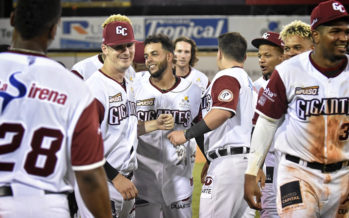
x=270, y=50
x=297, y=38
x=309, y=93
x=48, y=129
x=163, y=177
x=185, y=59
x=270, y=54
x=86, y=67
x=227, y=110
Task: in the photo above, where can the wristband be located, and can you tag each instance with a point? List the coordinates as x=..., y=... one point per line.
x=197, y=130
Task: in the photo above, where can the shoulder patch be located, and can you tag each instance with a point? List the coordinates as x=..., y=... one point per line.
x=225, y=95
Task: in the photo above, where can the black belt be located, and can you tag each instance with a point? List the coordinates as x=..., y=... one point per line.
x=7, y=191
x=325, y=168
x=129, y=176
x=225, y=152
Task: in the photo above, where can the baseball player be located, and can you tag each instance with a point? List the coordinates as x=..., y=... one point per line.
x=48, y=130
x=86, y=67
x=185, y=59
x=163, y=177
x=309, y=92
x=297, y=38
x=227, y=124
x=270, y=54
x=270, y=50
x=117, y=110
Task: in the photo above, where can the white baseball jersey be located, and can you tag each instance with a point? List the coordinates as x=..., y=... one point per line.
x=46, y=124
x=158, y=178
x=117, y=113
x=260, y=83
x=198, y=78
x=222, y=193
x=316, y=125
x=236, y=131
x=119, y=123
x=86, y=67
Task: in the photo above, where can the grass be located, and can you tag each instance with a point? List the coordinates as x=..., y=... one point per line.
x=197, y=189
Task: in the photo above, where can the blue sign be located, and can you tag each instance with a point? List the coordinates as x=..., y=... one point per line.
x=204, y=31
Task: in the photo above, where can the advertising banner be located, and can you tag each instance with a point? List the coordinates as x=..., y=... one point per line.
x=203, y=30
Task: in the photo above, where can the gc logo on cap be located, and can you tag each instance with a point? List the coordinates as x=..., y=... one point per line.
x=118, y=33
x=269, y=38
x=327, y=11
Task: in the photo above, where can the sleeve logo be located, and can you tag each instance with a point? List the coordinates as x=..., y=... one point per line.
x=226, y=95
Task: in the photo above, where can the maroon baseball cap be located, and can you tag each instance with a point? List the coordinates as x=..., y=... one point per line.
x=118, y=33
x=269, y=38
x=327, y=11
x=139, y=54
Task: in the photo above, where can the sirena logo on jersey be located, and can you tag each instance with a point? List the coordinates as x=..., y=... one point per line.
x=324, y=106
x=180, y=117
x=121, y=112
x=46, y=94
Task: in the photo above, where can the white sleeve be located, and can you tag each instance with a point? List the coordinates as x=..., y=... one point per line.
x=262, y=138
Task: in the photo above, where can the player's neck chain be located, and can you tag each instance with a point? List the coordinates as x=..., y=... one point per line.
x=28, y=51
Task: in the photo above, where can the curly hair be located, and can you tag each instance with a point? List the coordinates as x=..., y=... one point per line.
x=296, y=28
x=160, y=38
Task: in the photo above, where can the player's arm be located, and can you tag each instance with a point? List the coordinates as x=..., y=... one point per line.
x=124, y=186
x=261, y=140
x=87, y=162
x=272, y=105
x=163, y=122
x=92, y=185
x=223, y=109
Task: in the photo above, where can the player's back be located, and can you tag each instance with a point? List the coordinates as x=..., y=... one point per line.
x=40, y=107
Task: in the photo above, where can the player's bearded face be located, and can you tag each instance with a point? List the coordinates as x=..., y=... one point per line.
x=161, y=67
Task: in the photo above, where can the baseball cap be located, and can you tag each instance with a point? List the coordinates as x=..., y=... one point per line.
x=139, y=54
x=118, y=33
x=269, y=38
x=327, y=11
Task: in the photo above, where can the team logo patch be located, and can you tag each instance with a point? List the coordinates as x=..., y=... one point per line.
x=185, y=103
x=146, y=102
x=312, y=90
x=226, y=95
x=206, y=191
x=290, y=194
x=269, y=174
x=115, y=98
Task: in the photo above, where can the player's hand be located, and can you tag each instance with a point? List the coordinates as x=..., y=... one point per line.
x=177, y=137
x=165, y=122
x=252, y=192
x=261, y=178
x=126, y=188
x=204, y=172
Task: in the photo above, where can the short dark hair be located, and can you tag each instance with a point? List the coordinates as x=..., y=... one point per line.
x=34, y=17
x=193, y=58
x=160, y=38
x=233, y=45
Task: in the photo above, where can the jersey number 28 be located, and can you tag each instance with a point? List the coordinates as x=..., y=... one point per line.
x=37, y=149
